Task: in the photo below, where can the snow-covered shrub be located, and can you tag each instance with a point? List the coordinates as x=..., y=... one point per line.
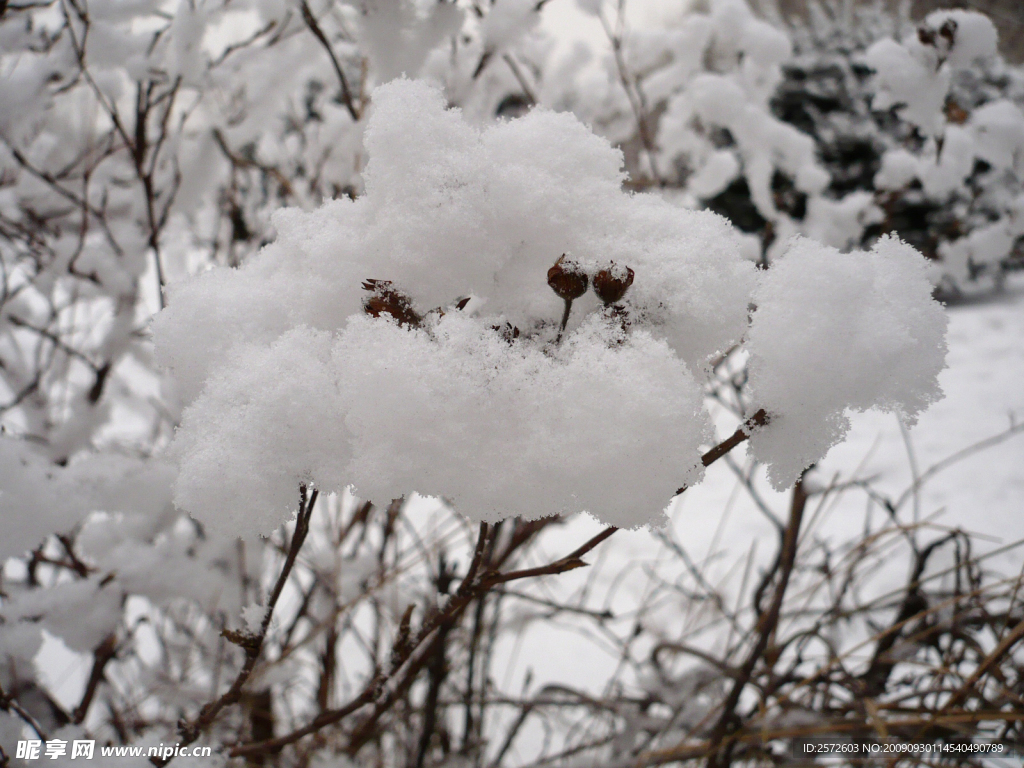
x=486, y=373
x=140, y=142
x=926, y=132
x=448, y=304
x=842, y=129
x=718, y=130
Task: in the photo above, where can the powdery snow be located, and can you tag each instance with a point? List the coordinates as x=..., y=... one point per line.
x=463, y=385
x=490, y=407
x=833, y=332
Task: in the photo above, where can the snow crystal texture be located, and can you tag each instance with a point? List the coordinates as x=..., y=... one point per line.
x=490, y=407
x=834, y=332
x=409, y=341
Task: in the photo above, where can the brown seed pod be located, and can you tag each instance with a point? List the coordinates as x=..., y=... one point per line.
x=955, y=113
x=385, y=299
x=930, y=36
x=612, y=282
x=948, y=30
x=567, y=279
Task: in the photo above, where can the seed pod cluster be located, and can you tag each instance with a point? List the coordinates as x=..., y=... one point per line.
x=612, y=282
x=567, y=279
x=385, y=299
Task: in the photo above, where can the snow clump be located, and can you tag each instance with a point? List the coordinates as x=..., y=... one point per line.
x=606, y=424
x=495, y=322
x=914, y=74
x=489, y=406
x=833, y=332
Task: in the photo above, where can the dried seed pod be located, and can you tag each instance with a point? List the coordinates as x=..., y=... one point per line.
x=385, y=299
x=567, y=279
x=955, y=113
x=948, y=30
x=930, y=36
x=612, y=282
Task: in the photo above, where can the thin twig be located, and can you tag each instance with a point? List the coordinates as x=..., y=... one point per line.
x=251, y=644
x=318, y=33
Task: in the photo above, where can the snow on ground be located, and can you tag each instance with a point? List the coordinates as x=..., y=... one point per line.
x=984, y=386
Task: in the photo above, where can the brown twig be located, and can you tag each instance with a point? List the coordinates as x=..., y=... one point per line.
x=9, y=703
x=720, y=750
x=251, y=644
x=741, y=435
x=412, y=659
x=104, y=653
x=318, y=33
